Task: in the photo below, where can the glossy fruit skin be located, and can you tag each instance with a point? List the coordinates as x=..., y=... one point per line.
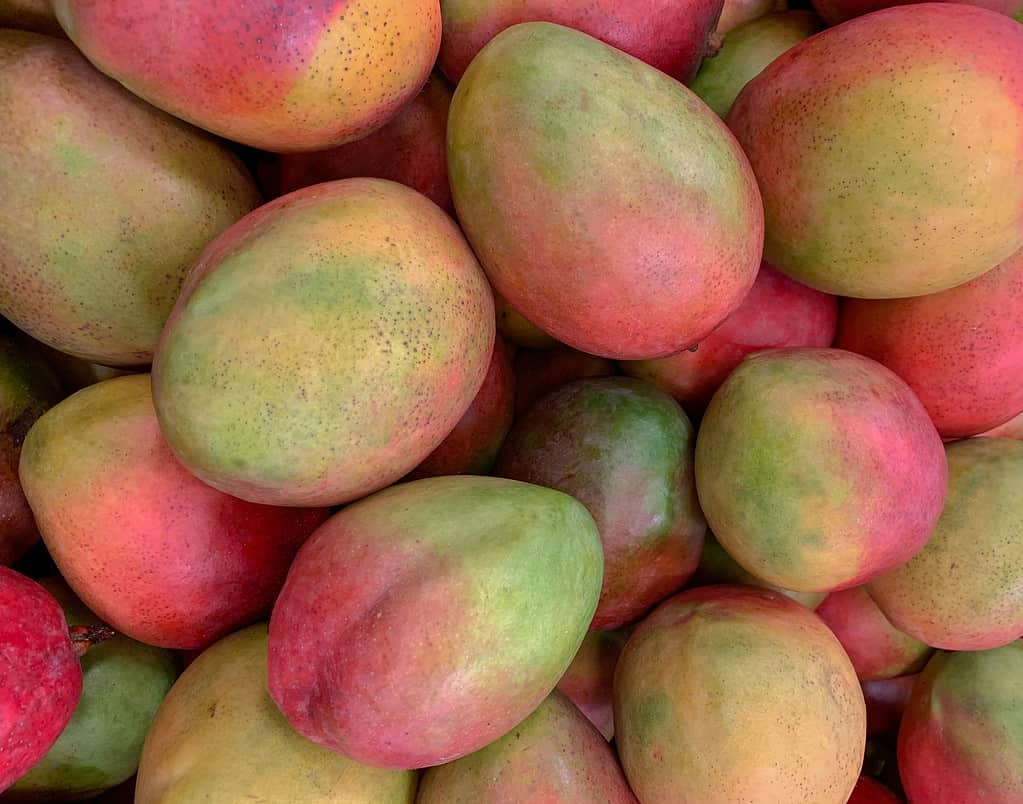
x=589, y=680
x=492, y=576
x=667, y=34
x=964, y=589
x=554, y=756
x=857, y=202
x=239, y=379
x=757, y=666
x=777, y=312
x=28, y=387
x=834, y=12
x=539, y=372
x=962, y=734
x=123, y=683
x=40, y=679
x=409, y=149
x=624, y=450
x=288, y=76
x=133, y=532
x=871, y=791
x=473, y=445
x=219, y=737
x=106, y=203
x=571, y=164
x=959, y=350
x=818, y=469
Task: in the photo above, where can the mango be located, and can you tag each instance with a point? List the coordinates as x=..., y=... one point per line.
x=889, y=150
x=834, y=12
x=324, y=346
x=589, y=680
x=964, y=589
x=738, y=12
x=219, y=738
x=424, y=622
x=106, y=203
x=886, y=701
x=518, y=329
x=278, y=76
x=871, y=791
x=539, y=372
x=1011, y=429
x=606, y=202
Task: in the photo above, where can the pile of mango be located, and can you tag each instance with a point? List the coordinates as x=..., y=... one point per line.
x=511, y=401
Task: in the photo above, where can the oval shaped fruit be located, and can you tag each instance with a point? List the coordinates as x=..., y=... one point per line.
x=472, y=447
x=746, y=51
x=285, y=76
x=607, y=204
x=818, y=469
x=28, y=387
x=625, y=451
x=410, y=149
x=877, y=649
x=123, y=683
x=589, y=680
x=871, y=791
x=477, y=590
x=964, y=590
x=153, y=551
x=770, y=710
x=671, y=35
x=106, y=203
x=960, y=350
x=889, y=151
x=40, y=678
x=962, y=734
x=555, y=756
x=777, y=312
x=219, y=737
x=364, y=276
x=539, y=372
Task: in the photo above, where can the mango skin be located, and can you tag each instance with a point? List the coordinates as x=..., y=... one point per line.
x=877, y=649
x=589, y=680
x=1011, y=429
x=964, y=589
x=625, y=450
x=554, y=756
x=917, y=199
x=738, y=12
x=607, y=204
x=106, y=203
x=962, y=735
x=518, y=329
x=777, y=312
x=28, y=387
x=871, y=791
x=364, y=276
x=30, y=15
x=456, y=604
x=818, y=469
x=132, y=531
x=834, y=12
x=218, y=738
x=886, y=701
x=770, y=711
x=667, y=34
x=290, y=76
x=746, y=51
x=123, y=683
x=539, y=372
x=960, y=350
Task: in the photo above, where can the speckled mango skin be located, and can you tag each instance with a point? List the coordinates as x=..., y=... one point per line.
x=871, y=791
x=325, y=345
x=746, y=51
x=106, y=203
x=28, y=387
x=281, y=75
x=961, y=738
x=960, y=350
x=589, y=680
x=134, y=533
x=607, y=204
x=877, y=649
x=916, y=198
x=777, y=312
x=410, y=149
x=625, y=451
x=554, y=756
x=818, y=469
x=834, y=12
x=219, y=738
x=770, y=710
x=123, y=683
x=456, y=604
x=667, y=34
x=471, y=448
x=30, y=15
x=964, y=590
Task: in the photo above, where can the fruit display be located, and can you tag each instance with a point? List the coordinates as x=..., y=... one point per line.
x=511, y=402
